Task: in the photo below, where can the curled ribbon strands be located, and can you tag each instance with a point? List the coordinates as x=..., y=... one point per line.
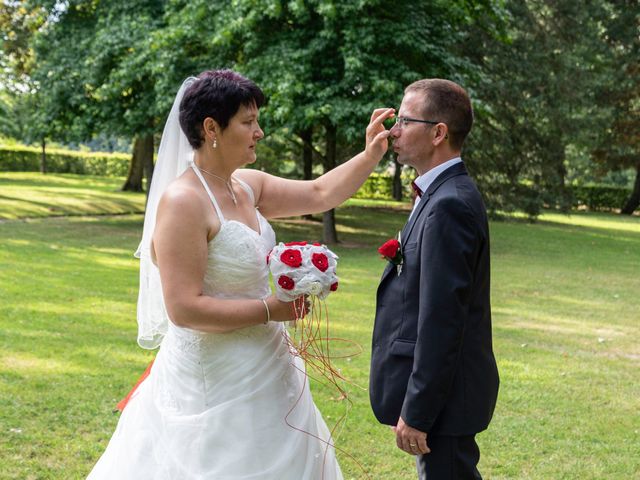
x=305, y=274
x=310, y=340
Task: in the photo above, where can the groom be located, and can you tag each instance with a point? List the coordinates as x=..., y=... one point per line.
x=433, y=374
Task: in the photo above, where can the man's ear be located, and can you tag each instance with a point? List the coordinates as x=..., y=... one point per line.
x=441, y=133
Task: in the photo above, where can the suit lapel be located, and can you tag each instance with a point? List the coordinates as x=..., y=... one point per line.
x=408, y=227
x=455, y=170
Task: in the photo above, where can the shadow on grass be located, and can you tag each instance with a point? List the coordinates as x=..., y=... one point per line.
x=581, y=221
x=61, y=180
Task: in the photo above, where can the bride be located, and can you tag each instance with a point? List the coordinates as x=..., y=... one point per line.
x=225, y=397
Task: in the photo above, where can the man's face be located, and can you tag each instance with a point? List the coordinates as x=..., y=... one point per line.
x=413, y=141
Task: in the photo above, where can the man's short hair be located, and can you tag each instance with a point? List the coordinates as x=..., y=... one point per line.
x=447, y=102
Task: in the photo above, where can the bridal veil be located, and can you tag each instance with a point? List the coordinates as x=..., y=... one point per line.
x=174, y=156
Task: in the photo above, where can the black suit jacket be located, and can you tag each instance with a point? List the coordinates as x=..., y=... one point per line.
x=432, y=358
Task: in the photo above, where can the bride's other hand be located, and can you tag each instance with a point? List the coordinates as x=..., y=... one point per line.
x=377, y=143
x=286, y=311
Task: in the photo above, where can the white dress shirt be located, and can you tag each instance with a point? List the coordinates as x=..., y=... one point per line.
x=426, y=179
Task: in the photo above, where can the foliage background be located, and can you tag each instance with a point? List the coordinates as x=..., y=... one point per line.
x=552, y=82
x=556, y=96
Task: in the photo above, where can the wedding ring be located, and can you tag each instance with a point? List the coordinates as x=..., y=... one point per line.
x=413, y=445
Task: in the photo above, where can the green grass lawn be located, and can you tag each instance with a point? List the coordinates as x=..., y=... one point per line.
x=566, y=309
x=30, y=194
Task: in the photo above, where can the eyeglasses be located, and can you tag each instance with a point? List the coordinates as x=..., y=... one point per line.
x=401, y=122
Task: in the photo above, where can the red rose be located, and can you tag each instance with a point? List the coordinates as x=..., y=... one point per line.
x=317, y=244
x=291, y=257
x=286, y=282
x=291, y=244
x=321, y=261
x=334, y=287
x=390, y=248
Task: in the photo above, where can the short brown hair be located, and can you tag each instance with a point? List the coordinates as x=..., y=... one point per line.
x=447, y=102
x=217, y=94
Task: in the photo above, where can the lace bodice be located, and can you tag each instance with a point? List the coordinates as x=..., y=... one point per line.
x=236, y=265
x=236, y=268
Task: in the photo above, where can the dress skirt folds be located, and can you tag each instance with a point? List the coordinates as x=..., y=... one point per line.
x=232, y=406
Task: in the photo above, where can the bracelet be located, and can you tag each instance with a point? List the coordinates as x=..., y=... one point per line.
x=266, y=307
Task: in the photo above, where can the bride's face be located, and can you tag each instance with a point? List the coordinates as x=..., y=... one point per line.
x=238, y=141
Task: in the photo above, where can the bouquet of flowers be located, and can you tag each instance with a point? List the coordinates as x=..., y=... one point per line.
x=303, y=269
x=299, y=268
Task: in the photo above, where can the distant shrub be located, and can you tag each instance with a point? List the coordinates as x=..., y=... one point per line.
x=379, y=186
x=27, y=159
x=519, y=197
x=599, y=197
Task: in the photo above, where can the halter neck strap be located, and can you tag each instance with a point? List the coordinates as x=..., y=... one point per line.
x=248, y=189
x=208, y=190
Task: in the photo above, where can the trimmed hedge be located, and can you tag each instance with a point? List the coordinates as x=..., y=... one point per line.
x=599, y=197
x=379, y=186
x=595, y=197
x=27, y=159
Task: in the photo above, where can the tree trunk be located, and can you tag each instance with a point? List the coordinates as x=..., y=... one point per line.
x=397, y=181
x=634, y=200
x=142, y=151
x=564, y=194
x=306, y=136
x=329, y=233
x=307, y=153
x=43, y=157
x=148, y=161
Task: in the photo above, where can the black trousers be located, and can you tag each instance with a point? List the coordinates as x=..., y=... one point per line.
x=451, y=458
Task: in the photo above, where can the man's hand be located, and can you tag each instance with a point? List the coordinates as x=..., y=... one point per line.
x=410, y=440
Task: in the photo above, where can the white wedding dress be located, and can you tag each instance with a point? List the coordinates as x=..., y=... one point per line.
x=224, y=406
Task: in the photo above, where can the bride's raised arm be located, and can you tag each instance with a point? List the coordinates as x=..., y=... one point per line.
x=280, y=197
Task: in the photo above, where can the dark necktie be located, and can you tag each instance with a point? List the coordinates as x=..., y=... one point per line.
x=416, y=190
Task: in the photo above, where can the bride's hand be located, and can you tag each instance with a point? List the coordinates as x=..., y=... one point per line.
x=286, y=311
x=377, y=142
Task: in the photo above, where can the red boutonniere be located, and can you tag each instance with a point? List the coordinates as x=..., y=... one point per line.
x=391, y=250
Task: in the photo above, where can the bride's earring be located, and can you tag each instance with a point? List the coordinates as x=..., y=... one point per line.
x=215, y=143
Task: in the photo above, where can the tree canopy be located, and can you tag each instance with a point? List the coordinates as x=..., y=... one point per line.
x=553, y=83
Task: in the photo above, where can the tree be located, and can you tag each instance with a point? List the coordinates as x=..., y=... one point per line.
x=23, y=119
x=397, y=181
x=619, y=146
x=534, y=98
x=93, y=65
x=18, y=24
x=324, y=65
x=114, y=67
